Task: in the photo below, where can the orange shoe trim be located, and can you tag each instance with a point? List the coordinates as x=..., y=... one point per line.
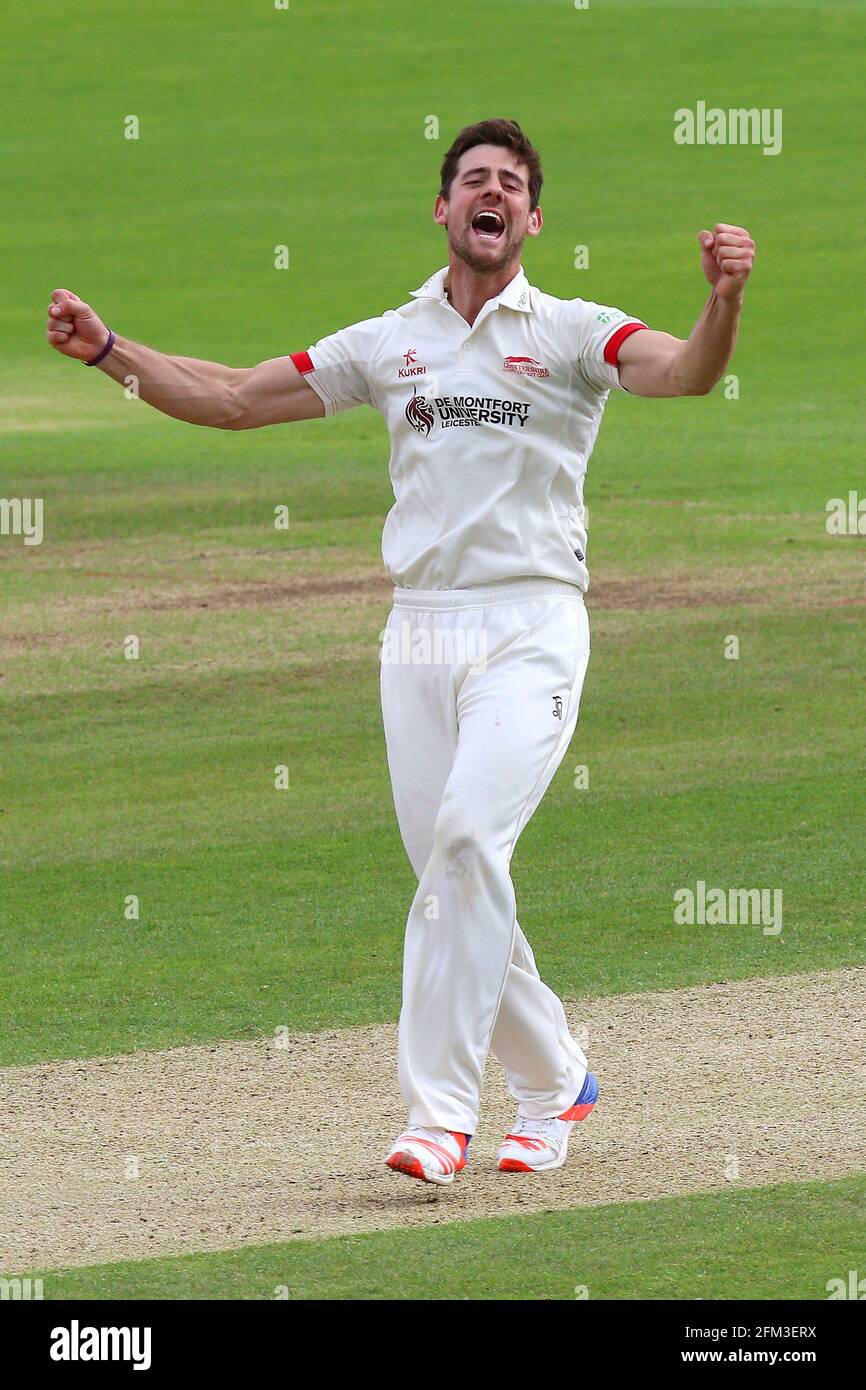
x=407, y=1163
x=448, y=1161
x=577, y=1112
x=525, y=1141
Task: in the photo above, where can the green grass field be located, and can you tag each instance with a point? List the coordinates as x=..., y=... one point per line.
x=155, y=777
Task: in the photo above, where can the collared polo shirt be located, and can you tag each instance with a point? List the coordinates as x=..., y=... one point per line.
x=491, y=427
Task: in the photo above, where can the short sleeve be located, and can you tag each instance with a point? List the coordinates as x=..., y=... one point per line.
x=601, y=331
x=338, y=366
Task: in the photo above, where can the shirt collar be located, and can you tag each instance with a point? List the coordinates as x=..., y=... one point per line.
x=515, y=295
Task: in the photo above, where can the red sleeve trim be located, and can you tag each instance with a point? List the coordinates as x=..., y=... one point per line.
x=613, y=344
x=303, y=361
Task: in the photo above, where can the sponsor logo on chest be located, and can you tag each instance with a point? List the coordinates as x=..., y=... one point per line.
x=412, y=367
x=452, y=412
x=524, y=366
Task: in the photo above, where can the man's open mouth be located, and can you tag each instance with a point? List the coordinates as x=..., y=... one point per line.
x=488, y=224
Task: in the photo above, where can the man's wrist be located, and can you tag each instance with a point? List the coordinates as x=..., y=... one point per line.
x=100, y=357
x=731, y=305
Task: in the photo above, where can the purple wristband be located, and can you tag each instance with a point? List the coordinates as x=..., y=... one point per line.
x=95, y=361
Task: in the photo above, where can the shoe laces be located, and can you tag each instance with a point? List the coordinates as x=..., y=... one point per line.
x=435, y=1135
x=548, y=1129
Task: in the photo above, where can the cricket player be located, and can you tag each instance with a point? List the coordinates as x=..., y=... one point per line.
x=493, y=393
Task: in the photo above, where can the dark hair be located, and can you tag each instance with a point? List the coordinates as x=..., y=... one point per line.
x=505, y=133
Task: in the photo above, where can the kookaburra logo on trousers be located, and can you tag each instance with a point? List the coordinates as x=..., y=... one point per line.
x=557, y=706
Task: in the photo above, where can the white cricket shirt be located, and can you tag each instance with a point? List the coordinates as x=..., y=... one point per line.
x=491, y=427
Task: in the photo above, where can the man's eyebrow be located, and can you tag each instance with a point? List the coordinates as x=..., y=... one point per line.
x=485, y=169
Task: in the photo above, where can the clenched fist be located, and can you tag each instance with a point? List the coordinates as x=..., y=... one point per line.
x=73, y=328
x=727, y=256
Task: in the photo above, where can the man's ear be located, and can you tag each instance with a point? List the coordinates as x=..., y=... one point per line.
x=440, y=211
x=535, y=222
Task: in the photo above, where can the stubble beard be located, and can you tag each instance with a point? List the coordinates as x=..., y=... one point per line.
x=481, y=265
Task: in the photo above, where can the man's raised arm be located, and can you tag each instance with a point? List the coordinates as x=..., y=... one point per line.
x=658, y=364
x=202, y=393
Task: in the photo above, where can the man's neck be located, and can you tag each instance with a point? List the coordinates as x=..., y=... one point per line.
x=468, y=291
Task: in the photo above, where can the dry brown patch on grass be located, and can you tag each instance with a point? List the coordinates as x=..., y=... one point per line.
x=244, y=1143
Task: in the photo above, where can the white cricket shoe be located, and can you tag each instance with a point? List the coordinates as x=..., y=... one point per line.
x=535, y=1146
x=433, y=1155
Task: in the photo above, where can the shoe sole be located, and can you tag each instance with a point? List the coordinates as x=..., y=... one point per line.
x=409, y=1164
x=575, y=1114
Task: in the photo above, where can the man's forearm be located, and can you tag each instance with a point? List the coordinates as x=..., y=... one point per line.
x=184, y=387
x=707, y=351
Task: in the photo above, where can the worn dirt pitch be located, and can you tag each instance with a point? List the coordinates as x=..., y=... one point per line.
x=747, y=1084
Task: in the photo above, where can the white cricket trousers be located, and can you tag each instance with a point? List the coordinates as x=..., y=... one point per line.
x=480, y=693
